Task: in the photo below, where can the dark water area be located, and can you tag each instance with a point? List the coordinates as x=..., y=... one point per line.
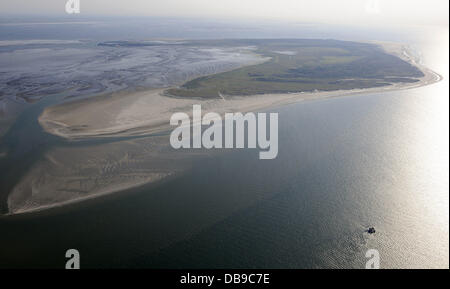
x=26, y=142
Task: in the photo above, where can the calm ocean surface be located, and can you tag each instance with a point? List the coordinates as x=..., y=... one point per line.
x=344, y=164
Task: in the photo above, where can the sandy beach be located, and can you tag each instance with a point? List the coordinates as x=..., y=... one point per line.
x=149, y=111
x=70, y=174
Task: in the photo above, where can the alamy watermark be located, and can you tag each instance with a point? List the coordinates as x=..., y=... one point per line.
x=73, y=6
x=219, y=136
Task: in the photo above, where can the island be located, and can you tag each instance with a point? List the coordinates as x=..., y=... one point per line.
x=118, y=110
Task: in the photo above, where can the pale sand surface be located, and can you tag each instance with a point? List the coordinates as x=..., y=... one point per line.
x=146, y=112
x=71, y=174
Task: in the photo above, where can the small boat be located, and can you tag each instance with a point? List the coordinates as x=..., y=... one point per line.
x=371, y=230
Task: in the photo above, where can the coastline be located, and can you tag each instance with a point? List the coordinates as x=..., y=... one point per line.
x=140, y=113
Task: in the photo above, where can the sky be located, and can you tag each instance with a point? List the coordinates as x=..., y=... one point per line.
x=357, y=12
